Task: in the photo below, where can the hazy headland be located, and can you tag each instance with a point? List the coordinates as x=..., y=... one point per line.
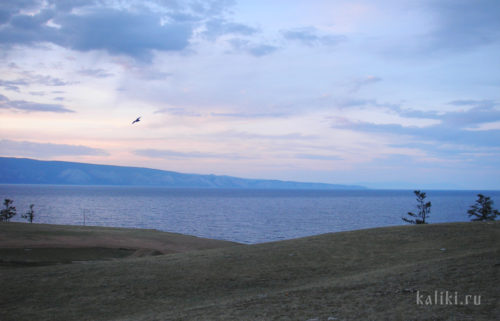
x=30, y=171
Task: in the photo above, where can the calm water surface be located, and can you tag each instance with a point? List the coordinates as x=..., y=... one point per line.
x=247, y=216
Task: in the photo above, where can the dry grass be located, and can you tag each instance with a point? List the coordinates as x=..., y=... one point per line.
x=360, y=275
x=22, y=235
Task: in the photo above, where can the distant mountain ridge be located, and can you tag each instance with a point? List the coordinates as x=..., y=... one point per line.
x=31, y=171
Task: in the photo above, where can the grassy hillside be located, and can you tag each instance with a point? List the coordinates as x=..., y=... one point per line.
x=43, y=244
x=370, y=274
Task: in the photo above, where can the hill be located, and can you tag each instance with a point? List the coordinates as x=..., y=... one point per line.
x=374, y=274
x=53, y=244
x=30, y=171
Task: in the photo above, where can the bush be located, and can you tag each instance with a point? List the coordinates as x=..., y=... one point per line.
x=483, y=209
x=424, y=209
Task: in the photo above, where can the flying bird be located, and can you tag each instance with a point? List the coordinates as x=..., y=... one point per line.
x=137, y=120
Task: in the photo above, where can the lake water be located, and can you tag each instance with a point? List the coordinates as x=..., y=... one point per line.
x=246, y=216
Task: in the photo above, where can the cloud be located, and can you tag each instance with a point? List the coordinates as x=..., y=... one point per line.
x=134, y=29
x=37, y=93
x=414, y=113
x=365, y=81
x=454, y=127
x=473, y=102
x=219, y=27
x=483, y=111
x=96, y=73
x=28, y=106
x=148, y=73
x=251, y=136
x=14, y=6
x=12, y=85
x=452, y=153
x=45, y=150
x=4, y=16
x=29, y=78
x=311, y=37
x=479, y=112
x=317, y=157
x=451, y=27
x=249, y=115
x=256, y=50
x=261, y=50
x=121, y=32
x=210, y=7
x=46, y=80
x=163, y=153
x=118, y=31
x=355, y=102
x=178, y=111
x=463, y=24
x=68, y=5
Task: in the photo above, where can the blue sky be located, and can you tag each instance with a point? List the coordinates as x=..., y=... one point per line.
x=387, y=94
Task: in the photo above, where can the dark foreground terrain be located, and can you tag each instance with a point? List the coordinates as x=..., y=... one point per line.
x=90, y=273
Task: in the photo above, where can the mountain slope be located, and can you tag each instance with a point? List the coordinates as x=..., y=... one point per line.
x=30, y=171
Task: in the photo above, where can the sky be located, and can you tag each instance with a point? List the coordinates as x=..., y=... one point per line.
x=385, y=94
